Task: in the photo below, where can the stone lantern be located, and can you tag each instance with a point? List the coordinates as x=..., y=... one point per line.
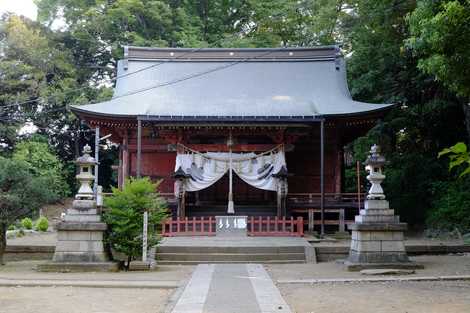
x=374, y=165
x=180, y=177
x=377, y=234
x=281, y=177
x=80, y=235
x=85, y=177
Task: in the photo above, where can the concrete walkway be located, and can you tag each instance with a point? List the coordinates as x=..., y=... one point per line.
x=230, y=288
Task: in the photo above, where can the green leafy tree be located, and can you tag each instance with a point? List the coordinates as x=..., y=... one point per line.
x=20, y=193
x=124, y=215
x=450, y=207
x=439, y=37
x=41, y=75
x=427, y=117
x=459, y=157
x=42, y=162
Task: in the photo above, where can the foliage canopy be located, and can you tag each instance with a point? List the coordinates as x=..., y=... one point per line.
x=20, y=193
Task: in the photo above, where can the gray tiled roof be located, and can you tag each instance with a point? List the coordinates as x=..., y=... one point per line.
x=235, y=84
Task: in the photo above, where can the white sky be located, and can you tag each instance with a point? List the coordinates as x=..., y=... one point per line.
x=20, y=7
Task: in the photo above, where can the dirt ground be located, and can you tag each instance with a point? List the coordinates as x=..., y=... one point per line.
x=390, y=297
x=79, y=300
x=90, y=300
x=434, y=265
x=26, y=270
x=358, y=297
x=383, y=297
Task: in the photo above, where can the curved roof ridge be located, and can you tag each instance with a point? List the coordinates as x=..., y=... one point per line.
x=217, y=54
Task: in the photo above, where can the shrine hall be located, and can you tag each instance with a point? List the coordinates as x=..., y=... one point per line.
x=243, y=132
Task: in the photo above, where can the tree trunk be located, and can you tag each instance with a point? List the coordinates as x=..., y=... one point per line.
x=3, y=241
x=128, y=264
x=466, y=111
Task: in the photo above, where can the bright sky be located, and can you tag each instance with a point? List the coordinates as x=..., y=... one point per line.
x=20, y=7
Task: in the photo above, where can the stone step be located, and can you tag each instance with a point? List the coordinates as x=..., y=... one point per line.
x=243, y=250
x=165, y=262
x=229, y=257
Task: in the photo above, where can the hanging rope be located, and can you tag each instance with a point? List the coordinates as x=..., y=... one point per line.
x=270, y=152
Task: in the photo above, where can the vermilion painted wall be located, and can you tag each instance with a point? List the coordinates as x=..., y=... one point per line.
x=303, y=164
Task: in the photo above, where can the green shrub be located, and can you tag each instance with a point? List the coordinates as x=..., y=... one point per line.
x=27, y=223
x=125, y=216
x=450, y=208
x=42, y=224
x=11, y=227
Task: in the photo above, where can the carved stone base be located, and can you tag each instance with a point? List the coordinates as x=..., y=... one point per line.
x=80, y=240
x=377, y=239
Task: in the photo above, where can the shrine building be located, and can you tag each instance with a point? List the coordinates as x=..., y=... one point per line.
x=252, y=132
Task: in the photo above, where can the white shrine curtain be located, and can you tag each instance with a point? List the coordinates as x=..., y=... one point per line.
x=256, y=170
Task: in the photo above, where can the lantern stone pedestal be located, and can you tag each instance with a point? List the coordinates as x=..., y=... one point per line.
x=79, y=245
x=377, y=234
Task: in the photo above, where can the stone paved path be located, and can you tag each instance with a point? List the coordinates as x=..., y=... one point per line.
x=230, y=288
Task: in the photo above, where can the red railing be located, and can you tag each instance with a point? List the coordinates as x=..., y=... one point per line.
x=274, y=226
x=257, y=226
x=195, y=226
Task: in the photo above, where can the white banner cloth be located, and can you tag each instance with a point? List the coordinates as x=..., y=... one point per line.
x=207, y=168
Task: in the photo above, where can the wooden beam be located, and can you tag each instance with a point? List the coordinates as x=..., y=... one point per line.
x=235, y=148
x=212, y=147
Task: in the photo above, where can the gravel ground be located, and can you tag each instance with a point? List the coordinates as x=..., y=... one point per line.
x=79, y=300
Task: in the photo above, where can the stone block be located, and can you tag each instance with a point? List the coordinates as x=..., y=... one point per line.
x=82, y=218
x=391, y=271
x=78, y=226
x=366, y=246
x=67, y=245
x=96, y=235
x=74, y=235
x=93, y=246
x=67, y=267
x=377, y=212
x=376, y=219
x=381, y=235
x=398, y=235
x=79, y=257
x=393, y=246
x=84, y=204
x=378, y=227
x=377, y=257
x=376, y=204
x=363, y=235
x=354, y=235
x=78, y=212
x=354, y=245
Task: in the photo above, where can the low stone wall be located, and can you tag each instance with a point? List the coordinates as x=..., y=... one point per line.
x=21, y=253
x=323, y=253
x=331, y=253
